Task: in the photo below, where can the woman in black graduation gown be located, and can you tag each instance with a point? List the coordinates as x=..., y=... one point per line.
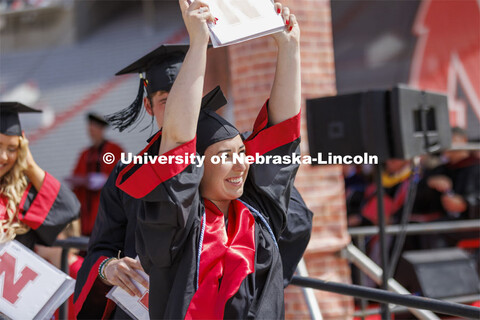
x=34, y=206
x=114, y=231
x=207, y=240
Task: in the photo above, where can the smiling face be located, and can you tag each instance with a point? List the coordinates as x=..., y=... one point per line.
x=8, y=152
x=224, y=182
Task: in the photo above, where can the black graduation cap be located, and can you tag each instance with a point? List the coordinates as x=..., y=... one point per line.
x=9, y=120
x=212, y=127
x=161, y=67
x=96, y=118
x=213, y=100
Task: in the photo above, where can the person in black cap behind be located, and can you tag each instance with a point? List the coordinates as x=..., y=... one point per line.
x=111, y=253
x=91, y=171
x=206, y=233
x=34, y=206
x=158, y=70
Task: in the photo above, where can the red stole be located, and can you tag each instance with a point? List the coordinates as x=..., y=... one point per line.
x=391, y=205
x=3, y=207
x=226, y=254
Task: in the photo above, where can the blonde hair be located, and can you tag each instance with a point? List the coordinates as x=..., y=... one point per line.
x=12, y=186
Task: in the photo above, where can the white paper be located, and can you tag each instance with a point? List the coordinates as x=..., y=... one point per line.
x=241, y=20
x=135, y=307
x=39, y=296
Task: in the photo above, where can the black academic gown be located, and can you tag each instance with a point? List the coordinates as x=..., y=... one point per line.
x=115, y=231
x=112, y=235
x=465, y=177
x=46, y=211
x=169, y=229
x=295, y=236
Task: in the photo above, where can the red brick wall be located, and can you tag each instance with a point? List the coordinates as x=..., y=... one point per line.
x=250, y=70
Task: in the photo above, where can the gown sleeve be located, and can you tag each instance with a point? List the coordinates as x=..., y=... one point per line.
x=296, y=235
x=269, y=183
x=171, y=203
x=48, y=210
x=108, y=237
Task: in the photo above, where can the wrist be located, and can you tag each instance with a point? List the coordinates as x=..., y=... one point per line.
x=35, y=174
x=31, y=167
x=287, y=44
x=199, y=43
x=102, y=267
x=288, y=51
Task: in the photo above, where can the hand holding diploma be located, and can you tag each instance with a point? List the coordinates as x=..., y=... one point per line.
x=120, y=272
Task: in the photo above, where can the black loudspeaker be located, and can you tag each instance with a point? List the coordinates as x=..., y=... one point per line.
x=399, y=123
x=419, y=122
x=350, y=124
x=438, y=273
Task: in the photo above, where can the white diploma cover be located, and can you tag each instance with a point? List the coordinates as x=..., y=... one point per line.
x=135, y=307
x=30, y=287
x=241, y=20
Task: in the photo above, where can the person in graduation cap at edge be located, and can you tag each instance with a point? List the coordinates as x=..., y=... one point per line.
x=111, y=253
x=206, y=234
x=34, y=206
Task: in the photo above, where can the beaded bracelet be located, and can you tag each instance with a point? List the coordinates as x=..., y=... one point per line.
x=101, y=267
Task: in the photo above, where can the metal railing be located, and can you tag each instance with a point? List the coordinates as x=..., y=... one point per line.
x=420, y=228
x=369, y=267
x=416, y=305
x=379, y=295
x=400, y=309
x=80, y=243
x=360, y=234
x=310, y=298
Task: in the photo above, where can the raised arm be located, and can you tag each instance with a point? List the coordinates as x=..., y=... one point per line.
x=285, y=98
x=183, y=103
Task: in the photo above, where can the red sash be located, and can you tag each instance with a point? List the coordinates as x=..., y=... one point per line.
x=3, y=207
x=228, y=255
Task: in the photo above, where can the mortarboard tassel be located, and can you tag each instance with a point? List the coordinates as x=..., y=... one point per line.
x=126, y=117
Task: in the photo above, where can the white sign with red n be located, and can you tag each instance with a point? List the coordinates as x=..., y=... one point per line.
x=30, y=287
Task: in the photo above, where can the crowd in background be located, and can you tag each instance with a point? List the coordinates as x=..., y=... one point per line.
x=447, y=188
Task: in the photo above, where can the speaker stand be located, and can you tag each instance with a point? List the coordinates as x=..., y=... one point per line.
x=381, y=226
